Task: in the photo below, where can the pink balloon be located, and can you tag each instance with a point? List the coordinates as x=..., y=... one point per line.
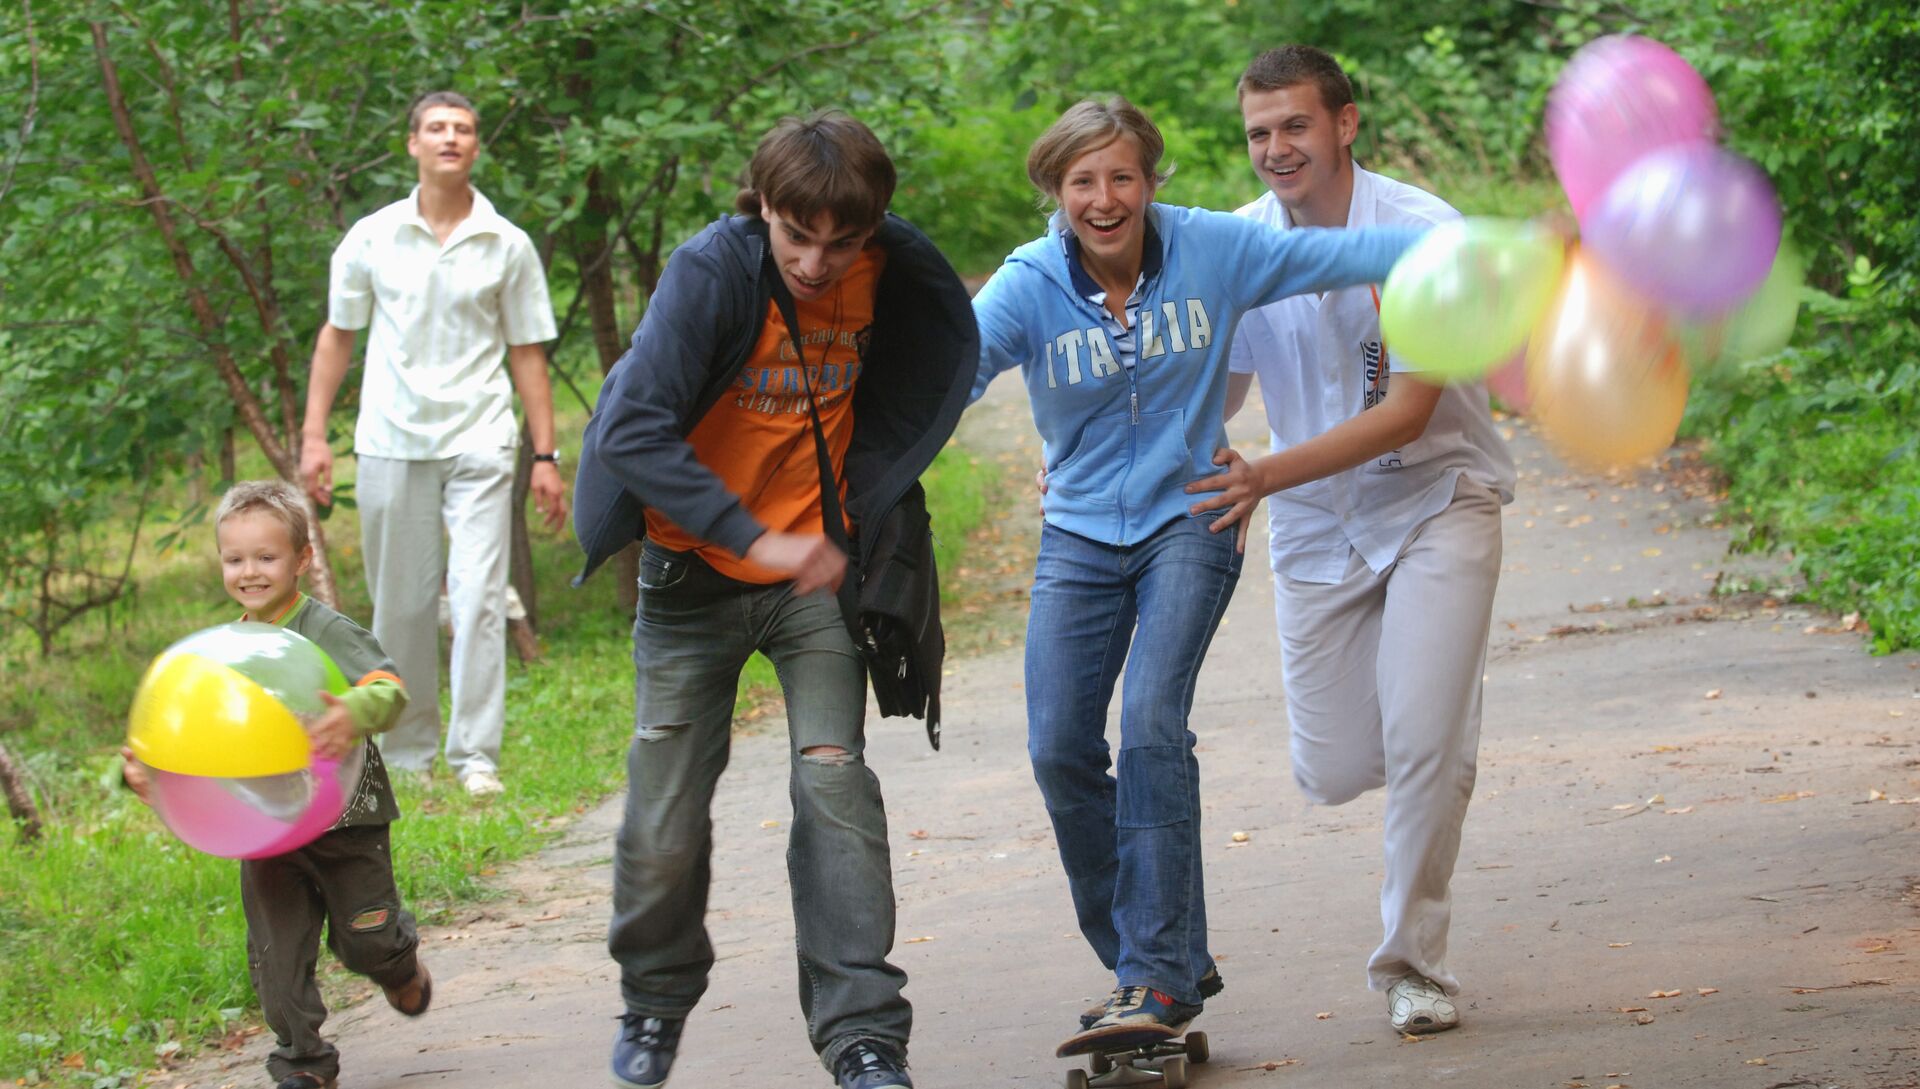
x=1691, y=226
x=1618, y=98
x=1508, y=382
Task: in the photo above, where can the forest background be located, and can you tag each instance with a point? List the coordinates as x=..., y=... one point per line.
x=174, y=175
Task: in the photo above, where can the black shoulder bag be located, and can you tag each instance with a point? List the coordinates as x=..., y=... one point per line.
x=890, y=598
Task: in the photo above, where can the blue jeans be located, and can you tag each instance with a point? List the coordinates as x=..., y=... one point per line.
x=1131, y=844
x=695, y=630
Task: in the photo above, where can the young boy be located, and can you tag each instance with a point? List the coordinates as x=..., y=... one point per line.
x=344, y=878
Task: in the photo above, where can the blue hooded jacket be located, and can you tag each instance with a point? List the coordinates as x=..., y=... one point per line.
x=1121, y=442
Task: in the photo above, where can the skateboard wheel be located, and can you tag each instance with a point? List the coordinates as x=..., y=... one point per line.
x=1100, y=1063
x=1197, y=1049
x=1077, y=1079
x=1174, y=1070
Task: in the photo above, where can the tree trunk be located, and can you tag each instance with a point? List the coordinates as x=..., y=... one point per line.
x=594, y=237
x=594, y=253
x=13, y=780
x=522, y=633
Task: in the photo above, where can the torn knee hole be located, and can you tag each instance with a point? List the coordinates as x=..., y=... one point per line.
x=372, y=919
x=658, y=733
x=832, y=756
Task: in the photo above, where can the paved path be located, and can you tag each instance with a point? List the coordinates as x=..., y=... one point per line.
x=1674, y=797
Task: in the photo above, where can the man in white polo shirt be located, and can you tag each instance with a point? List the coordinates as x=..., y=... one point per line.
x=1385, y=520
x=449, y=287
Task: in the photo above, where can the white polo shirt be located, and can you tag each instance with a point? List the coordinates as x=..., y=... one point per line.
x=442, y=317
x=1318, y=363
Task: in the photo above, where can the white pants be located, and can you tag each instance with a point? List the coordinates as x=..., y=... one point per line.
x=1383, y=689
x=420, y=521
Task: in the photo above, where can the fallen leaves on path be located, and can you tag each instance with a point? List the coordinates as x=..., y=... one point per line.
x=1664, y=994
x=1795, y=796
x=1323, y=1015
x=1273, y=1064
x=1681, y=812
x=1712, y=694
x=917, y=941
x=1705, y=991
x=1618, y=945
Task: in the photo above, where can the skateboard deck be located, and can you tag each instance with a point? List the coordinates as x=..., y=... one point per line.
x=1125, y=1055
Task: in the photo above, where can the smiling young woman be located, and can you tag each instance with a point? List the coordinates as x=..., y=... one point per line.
x=1119, y=318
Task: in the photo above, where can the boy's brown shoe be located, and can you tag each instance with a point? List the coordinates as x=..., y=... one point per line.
x=415, y=995
x=301, y=1079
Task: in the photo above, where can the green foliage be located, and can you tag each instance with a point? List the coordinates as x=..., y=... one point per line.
x=1822, y=96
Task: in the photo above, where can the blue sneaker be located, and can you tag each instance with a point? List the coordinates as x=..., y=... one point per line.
x=866, y=1066
x=1135, y=1017
x=643, y=1052
x=1210, y=984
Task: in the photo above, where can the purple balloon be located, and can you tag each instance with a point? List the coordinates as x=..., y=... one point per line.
x=1692, y=226
x=1618, y=98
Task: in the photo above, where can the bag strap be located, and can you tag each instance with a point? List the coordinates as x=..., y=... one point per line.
x=833, y=521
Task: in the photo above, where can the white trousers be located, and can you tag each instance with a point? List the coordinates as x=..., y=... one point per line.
x=1383, y=689
x=420, y=522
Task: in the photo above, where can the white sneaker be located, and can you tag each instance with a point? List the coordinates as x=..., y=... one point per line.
x=1417, y=1005
x=482, y=784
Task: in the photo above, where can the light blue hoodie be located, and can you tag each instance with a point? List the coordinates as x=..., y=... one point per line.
x=1121, y=438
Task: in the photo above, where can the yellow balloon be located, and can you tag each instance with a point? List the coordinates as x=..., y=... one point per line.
x=196, y=716
x=1609, y=384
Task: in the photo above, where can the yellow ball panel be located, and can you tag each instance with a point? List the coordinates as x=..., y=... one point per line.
x=194, y=716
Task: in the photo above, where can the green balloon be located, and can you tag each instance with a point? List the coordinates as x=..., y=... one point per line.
x=1464, y=298
x=1764, y=324
x=1757, y=328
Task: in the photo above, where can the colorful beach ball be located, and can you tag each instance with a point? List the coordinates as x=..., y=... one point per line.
x=220, y=719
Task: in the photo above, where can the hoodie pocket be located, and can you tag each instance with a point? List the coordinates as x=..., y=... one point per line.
x=1088, y=478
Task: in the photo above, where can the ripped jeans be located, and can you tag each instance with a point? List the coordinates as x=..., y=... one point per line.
x=1130, y=843
x=694, y=631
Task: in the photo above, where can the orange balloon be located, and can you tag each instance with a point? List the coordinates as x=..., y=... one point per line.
x=1608, y=381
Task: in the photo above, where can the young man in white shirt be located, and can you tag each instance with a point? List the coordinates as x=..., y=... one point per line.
x=448, y=287
x=1385, y=521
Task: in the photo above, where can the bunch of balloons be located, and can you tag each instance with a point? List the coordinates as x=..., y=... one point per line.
x=220, y=721
x=1680, y=264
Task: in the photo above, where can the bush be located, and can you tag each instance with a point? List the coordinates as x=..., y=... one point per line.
x=1819, y=448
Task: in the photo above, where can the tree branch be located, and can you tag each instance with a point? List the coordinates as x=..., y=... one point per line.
x=13, y=781
x=818, y=48
x=251, y=412
x=33, y=99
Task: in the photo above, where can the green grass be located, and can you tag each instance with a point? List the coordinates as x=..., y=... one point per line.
x=118, y=944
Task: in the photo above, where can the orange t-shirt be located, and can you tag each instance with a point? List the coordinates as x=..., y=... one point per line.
x=758, y=438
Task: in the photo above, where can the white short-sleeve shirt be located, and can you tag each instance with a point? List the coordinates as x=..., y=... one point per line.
x=441, y=318
x=1318, y=361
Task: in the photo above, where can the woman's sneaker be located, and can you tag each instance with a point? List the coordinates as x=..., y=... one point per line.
x=1416, y=1005
x=1210, y=984
x=1134, y=1016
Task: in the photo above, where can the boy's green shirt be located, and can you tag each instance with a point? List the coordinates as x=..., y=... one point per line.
x=374, y=702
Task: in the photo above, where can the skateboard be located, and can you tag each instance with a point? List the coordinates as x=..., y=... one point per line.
x=1124, y=1060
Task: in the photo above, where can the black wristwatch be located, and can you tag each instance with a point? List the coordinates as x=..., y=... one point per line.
x=553, y=457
